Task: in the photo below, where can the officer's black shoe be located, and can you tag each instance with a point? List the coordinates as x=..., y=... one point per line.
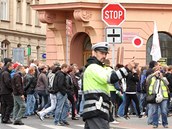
x=6, y=121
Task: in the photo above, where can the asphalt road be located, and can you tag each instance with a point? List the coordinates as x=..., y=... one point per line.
x=35, y=123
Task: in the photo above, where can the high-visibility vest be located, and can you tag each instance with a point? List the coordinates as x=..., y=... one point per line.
x=111, y=87
x=162, y=86
x=96, y=90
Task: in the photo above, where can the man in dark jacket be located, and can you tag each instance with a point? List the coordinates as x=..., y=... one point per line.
x=61, y=92
x=6, y=94
x=18, y=92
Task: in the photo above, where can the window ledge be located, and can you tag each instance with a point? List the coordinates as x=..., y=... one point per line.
x=28, y=25
x=19, y=23
x=38, y=26
x=5, y=21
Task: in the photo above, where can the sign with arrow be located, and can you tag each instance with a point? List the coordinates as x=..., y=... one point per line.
x=114, y=35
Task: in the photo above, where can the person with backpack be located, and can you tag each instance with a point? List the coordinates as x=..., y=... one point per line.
x=53, y=98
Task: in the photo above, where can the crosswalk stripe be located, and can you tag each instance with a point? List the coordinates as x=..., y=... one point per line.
x=21, y=127
x=46, y=125
x=80, y=125
x=55, y=126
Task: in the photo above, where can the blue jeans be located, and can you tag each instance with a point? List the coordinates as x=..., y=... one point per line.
x=62, y=108
x=30, y=104
x=142, y=101
x=164, y=110
x=81, y=105
x=122, y=106
x=150, y=111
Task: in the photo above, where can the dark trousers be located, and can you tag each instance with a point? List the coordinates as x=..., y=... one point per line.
x=7, y=104
x=96, y=123
x=133, y=97
x=72, y=100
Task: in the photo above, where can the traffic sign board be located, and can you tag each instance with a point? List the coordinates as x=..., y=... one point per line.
x=113, y=14
x=114, y=34
x=137, y=41
x=44, y=55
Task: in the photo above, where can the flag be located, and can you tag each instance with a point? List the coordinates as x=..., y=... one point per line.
x=68, y=27
x=155, y=50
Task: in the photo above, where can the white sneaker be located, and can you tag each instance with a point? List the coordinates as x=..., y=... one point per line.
x=115, y=122
x=40, y=116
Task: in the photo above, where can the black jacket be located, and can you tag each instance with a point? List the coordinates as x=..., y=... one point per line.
x=59, y=84
x=5, y=82
x=17, y=84
x=29, y=84
x=169, y=78
x=131, y=80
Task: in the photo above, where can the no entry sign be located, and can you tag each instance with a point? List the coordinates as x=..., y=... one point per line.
x=137, y=41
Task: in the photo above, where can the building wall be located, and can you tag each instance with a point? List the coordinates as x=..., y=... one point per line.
x=108, y=1
x=20, y=33
x=86, y=18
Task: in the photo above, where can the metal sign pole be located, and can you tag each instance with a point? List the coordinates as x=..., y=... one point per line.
x=67, y=48
x=113, y=56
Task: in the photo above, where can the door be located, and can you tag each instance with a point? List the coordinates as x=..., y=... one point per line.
x=87, y=54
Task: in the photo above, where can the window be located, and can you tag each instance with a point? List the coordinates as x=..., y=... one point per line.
x=19, y=11
x=4, y=9
x=28, y=12
x=37, y=22
x=4, y=49
x=165, y=40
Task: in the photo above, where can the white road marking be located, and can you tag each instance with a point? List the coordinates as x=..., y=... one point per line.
x=21, y=127
x=80, y=125
x=56, y=126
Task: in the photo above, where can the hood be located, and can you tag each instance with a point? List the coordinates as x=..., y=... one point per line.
x=93, y=60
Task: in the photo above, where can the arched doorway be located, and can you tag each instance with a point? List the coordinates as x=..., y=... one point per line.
x=165, y=40
x=80, y=48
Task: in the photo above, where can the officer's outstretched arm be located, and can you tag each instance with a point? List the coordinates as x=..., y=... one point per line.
x=121, y=73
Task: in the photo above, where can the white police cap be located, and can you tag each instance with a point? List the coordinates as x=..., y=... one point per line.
x=101, y=46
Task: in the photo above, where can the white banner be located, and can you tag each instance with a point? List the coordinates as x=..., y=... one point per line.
x=155, y=50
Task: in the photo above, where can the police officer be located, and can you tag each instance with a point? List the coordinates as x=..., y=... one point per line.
x=95, y=86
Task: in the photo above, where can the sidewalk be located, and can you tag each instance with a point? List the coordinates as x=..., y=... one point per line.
x=136, y=123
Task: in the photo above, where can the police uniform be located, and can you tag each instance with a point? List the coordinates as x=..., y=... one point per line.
x=96, y=91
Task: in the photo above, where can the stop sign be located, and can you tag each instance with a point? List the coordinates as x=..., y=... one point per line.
x=113, y=14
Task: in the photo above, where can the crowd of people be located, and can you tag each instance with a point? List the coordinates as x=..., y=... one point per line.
x=40, y=90
x=96, y=92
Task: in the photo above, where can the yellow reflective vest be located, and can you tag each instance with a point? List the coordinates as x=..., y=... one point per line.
x=96, y=92
x=162, y=86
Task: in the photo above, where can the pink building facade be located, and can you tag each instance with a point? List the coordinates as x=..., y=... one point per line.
x=88, y=28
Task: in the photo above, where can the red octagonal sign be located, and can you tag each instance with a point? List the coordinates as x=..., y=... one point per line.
x=113, y=14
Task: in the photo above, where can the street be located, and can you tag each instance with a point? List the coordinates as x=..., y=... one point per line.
x=34, y=123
